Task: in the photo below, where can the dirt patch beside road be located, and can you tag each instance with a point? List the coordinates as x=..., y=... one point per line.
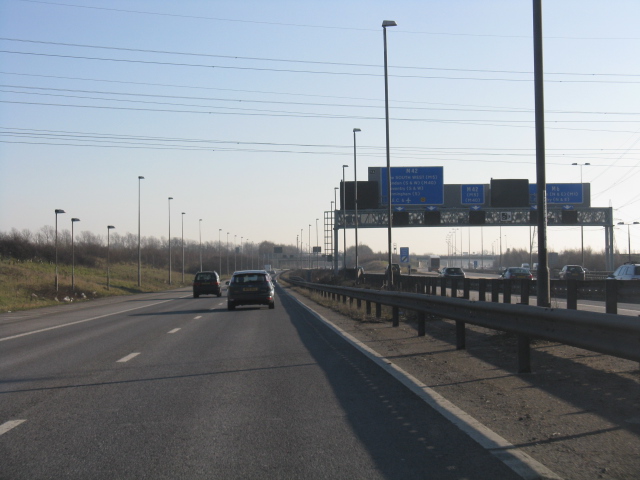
x=578, y=413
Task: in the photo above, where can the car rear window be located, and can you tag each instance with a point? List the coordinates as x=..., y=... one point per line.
x=205, y=277
x=519, y=270
x=574, y=269
x=250, y=278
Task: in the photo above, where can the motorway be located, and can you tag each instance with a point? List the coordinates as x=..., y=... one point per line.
x=167, y=386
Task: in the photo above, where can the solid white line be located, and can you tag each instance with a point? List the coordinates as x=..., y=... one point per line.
x=518, y=461
x=199, y=316
x=174, y=330
x=79, y=321
x=128, y=357
x=6, y=426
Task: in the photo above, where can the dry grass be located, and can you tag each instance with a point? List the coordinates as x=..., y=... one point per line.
x=25, y=285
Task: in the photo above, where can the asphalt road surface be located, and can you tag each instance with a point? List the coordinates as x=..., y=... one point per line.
x=168, y=386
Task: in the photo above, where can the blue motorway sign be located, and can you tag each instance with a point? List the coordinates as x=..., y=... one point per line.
x=558, y=193
x=472, y=194
x=404, y=254
x=413, y=186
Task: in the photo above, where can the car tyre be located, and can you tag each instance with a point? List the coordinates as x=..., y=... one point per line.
x=272, y=306
x=195, y=295
x=219, y=294
x=231, y=306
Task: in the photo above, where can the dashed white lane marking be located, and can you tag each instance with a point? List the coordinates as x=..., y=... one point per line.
x=199, y=316
x=79, y=321
x=128, y=357
x=176, y=329
x=6, y=426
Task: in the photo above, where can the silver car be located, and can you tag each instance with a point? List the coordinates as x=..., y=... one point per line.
x=628, y=271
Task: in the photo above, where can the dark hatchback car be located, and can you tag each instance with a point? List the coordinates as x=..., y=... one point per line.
x=206, y=283
x=517, y=273
x=250, y=287
x=572, y=272
x=452, y=272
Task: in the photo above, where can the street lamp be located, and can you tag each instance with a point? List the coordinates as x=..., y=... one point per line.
x=309, y=248
x=235, y=253
x=385, y=24
x=355, y=189
x=139, y=251
x=220, y=250
x=227, y=253
x=170, y=198
x=241, y=252
x=109, y=228
x=336, y=247
x=344, y=220
x=182, y=248
x=73, y=257
x=629, y=236
x=200, y=232
x=57, y=211
x=581, y=226
x=317, y=265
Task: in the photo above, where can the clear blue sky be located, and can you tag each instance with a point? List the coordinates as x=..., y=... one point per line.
x=243, y=111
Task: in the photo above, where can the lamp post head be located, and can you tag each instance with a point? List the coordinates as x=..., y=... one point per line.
x=109, y=227
x=170, y=198
x=635, y=223
x=59, y=210
x=621, y=223
x=389, y=23
x=356, y=130
x=75, y=220
x=182, y=213
x=345, y=166
x=140, y=177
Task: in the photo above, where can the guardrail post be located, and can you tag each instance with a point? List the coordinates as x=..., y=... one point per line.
x=525, y=289
x=454, y=287
x=396, y=316
x=506, y=294
x=611, y=296
x=358, y=303
x=461, y=335
x=443, y=287
x=368, y=307
x=421, y=324
x=482, y=289
x=524, y=354
x=572, y=295
x=378, y=310
x=466, y=288
x=495, y=290
x=434, y=286
x=344, y=299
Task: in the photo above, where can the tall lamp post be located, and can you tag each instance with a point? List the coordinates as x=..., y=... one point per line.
x=355, y=190
x=58, y=211
x=336, y=247
x=317, y=264
x=385, y=24
x=628, y=236
x=200, y=232
x=235, y=253
x=227, y=253
x=344, y=220
x=182, y=248
x=581, y=226
x=73, y=257
x=220, y=251
x=140, y=177
x=309, y=248
x=109, y=228
x=241, y=252
x=170, y=198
